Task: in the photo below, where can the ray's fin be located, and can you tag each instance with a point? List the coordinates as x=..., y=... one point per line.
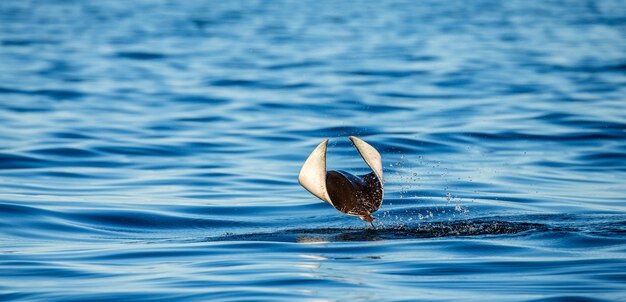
x=313, y=173
x=370, y=156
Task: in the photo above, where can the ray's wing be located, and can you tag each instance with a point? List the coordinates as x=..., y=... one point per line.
x=370, y=156
x=374, y=161
x=313, y=173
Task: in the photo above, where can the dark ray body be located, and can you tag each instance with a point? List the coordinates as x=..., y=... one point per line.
x=355, y=195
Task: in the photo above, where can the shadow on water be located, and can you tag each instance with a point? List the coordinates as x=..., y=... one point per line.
x=424, y=230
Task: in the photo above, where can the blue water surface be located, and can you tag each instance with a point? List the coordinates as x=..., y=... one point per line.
x=149, y=150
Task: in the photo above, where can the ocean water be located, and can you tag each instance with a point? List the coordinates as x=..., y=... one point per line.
x=149, y=150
